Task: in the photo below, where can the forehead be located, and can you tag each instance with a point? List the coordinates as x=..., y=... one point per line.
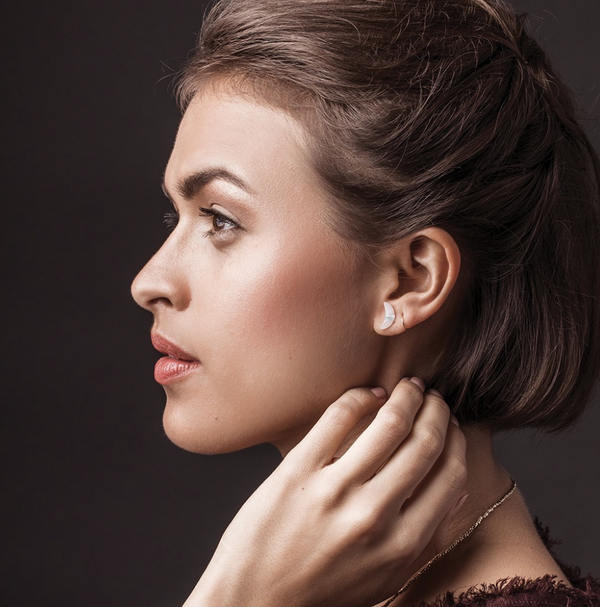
x=258, y=142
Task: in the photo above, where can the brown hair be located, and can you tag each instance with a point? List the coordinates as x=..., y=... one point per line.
x=448, y=114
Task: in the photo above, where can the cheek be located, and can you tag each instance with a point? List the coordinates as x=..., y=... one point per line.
x=291, y=299
x=282, y=334
x=291, y=329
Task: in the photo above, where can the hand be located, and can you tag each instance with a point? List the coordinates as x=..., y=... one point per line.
x=347, y=531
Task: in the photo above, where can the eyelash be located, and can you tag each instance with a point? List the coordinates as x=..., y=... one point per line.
x=171, y=218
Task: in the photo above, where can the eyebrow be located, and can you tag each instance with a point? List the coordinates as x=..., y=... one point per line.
x=191, y=185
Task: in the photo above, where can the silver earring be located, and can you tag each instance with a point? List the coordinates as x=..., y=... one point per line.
x=390, y=316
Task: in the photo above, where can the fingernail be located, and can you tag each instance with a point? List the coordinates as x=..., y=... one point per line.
x=435, y=392
x=460, y=504
x=419, y=382
x=454, y=421
x=379, y=392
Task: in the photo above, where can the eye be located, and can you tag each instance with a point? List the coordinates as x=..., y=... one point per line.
x=220, y=222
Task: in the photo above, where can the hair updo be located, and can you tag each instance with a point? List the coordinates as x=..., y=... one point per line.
x=445, y=113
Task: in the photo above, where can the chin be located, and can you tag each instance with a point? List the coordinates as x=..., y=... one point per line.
x=202, y=436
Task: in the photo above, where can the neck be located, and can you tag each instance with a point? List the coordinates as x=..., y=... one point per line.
x=487, y=480
x=505, y=544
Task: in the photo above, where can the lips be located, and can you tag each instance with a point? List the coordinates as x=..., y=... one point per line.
x=164, y=346
x=176, y=365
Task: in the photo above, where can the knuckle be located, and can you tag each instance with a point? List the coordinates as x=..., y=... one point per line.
x=410, y=551
x=456, y=471
x=393, y=423
x=459, y=440
x=439, y=404
x=435, y=396
x=353, y=403
x=327, y=495
x=430, y=441
x=367, y=525
x=412, y=391
x=341, y=411
x=293, y=471
x=411, y=545
x=361, y=397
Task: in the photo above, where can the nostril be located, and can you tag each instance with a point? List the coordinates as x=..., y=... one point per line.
x=160, y=301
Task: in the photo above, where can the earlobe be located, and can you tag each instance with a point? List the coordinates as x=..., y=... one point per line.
x=390, y=318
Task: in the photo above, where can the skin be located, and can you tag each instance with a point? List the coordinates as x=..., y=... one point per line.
x=285, y=319
x=506, y=544
x=255, y=303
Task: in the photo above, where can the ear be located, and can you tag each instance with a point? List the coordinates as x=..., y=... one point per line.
x=418, y=274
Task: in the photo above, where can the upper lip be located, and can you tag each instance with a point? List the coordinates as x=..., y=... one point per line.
x=162, y=344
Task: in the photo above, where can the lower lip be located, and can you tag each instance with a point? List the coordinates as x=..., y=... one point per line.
x=168, y=370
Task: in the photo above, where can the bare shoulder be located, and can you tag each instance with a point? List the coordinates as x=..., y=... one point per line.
x=507, y=546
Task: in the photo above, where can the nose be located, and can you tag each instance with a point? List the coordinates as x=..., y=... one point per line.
x=161, y=283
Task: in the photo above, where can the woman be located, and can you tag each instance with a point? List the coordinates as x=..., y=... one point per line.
x=366, y=191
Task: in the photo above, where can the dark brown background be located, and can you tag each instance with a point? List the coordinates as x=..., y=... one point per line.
x=99, y=508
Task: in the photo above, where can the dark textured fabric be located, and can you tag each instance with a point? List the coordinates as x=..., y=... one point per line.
x=519, y=592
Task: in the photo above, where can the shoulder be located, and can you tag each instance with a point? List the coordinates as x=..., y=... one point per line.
x=544, y=591
x=517, y=592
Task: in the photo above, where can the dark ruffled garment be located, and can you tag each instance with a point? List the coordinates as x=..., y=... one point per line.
x=518, y=592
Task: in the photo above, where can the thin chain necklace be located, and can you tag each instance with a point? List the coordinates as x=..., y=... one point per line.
x=452, y=546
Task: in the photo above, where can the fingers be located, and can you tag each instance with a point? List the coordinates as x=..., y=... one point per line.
x=418, y=453
x=322, y=442
x=441, y=491
x=392, y=424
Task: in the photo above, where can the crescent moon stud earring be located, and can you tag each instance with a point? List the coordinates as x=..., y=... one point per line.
x=390, y=316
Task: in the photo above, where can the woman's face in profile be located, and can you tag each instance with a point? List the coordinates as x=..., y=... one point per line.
x=279, y=314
